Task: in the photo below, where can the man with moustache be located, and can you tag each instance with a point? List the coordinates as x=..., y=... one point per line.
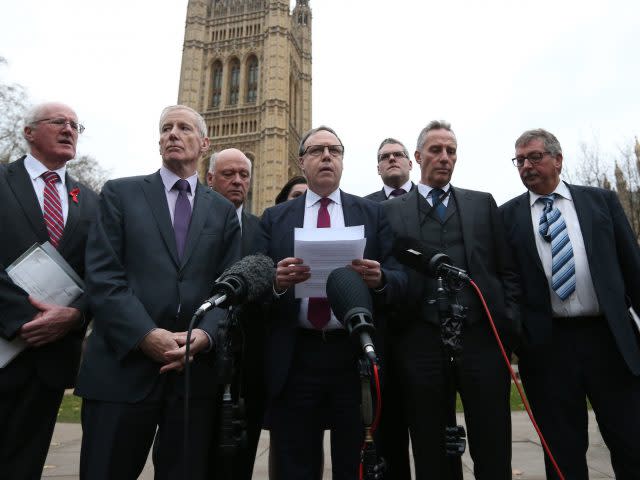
x=40, y=203
x=158, y=245
x=230, y=175
x=311, y=368
x=579, y=263
x=394, y=167
x=464, y=225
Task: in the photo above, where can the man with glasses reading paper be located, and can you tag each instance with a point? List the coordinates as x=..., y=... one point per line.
x=311, y=368
x=40, y=203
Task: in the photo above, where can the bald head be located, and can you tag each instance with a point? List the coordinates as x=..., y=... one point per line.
x=230, y=175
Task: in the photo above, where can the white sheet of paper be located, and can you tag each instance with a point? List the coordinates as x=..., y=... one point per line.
x=324, y=250
x=41, y=277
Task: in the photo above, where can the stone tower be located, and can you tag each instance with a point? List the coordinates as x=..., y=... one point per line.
x=246, y=67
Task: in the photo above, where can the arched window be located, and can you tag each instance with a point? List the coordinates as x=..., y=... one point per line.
x=216, y=84
x=252, y=80
x=234, y=82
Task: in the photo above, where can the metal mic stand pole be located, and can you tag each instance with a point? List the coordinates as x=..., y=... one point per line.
x=372, y=466
x=232, y=422
x=451, y=344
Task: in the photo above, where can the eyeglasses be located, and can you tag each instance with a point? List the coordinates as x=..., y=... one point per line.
x=317, y=150
x=383, y=157
x=61, y=123
x=534, y=158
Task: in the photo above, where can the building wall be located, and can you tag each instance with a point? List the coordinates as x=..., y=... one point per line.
x=264, y=116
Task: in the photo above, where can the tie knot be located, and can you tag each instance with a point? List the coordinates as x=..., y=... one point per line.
x=436, y=193
x=50, y=177
x=182, y=186
x=325, y=201
x=547, y=200
x=398, y=192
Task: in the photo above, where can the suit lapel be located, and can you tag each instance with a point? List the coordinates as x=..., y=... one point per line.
x=153, y=189
x=350, y=210
x=22, y=188
x=411, y=215
x=585, y=217
x=73, y=213
x=467, y=210
x=524, y=229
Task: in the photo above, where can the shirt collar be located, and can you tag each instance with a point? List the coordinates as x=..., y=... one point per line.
x=169, y=179
x=562, y=190
x=426, y=189
x=35, y=168
x=313, y=198
x=406, y=187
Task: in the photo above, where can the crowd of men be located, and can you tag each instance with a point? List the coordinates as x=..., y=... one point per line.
x=559, y=268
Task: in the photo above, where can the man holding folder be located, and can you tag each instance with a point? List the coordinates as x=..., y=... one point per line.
x=40, y=203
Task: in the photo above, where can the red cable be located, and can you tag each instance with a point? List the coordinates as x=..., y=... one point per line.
x=376, y=418
x=515, y=380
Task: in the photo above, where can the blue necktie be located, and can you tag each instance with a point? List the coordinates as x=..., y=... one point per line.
x=553, y=229
x=436, y=201
x=181, y=214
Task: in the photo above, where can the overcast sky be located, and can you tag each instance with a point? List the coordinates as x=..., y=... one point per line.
x=493, y=69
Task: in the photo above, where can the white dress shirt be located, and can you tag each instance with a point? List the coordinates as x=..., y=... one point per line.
x=583, y=301
x=312, y=207
x=35, y=169
x=425, y=191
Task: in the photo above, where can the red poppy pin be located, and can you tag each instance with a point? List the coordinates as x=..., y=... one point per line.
x=74, y=194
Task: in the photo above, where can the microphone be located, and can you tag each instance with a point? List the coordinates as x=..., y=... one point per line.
x=244, y=281
x=415, y=254
x=351, y=303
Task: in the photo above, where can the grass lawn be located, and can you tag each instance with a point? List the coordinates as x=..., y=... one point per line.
x=70, y=409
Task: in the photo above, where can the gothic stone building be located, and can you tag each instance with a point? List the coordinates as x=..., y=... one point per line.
x=246, y=67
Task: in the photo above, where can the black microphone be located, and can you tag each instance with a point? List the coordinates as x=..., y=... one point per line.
x=415, y=254
x=351, y=303
x=244, y=281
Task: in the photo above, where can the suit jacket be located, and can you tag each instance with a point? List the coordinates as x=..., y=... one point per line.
x=250, y=233
x=136, y=283
x=614, y=261
x=381, y=196
x=489, y=262
x=278, y=225
x=21, y=225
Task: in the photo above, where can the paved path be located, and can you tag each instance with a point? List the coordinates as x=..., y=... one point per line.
x=62, y=461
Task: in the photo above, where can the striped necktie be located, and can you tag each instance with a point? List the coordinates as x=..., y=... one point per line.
x=52, y=208
x=554, y=230
x=437, y=196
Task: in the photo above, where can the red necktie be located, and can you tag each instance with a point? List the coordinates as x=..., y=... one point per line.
x=52, y=208
x=319, y=312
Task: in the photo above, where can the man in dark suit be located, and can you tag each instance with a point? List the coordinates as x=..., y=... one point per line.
x=579, y=265
x=394, y=167
x=311, y=368
x=230, y=175
x=158, y=245
x=465, y=225
x=32, y=385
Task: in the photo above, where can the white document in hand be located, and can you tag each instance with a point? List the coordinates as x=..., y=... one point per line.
x=324, y=250
x=46, y=276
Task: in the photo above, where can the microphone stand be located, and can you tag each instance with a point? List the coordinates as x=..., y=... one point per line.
x=451, y=317
x=372, y=465
x=233, y=435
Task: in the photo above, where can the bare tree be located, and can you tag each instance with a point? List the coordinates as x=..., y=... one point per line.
x=14, y=103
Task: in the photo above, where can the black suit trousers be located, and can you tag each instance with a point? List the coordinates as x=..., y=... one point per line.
x=583, y=362
x=480, y=376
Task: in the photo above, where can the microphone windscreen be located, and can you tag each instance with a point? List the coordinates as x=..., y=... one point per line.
x=345, y=291
x=257, y=271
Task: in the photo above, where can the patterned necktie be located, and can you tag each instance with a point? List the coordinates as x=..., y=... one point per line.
x=553, y=229
x=181, y=214
x=436, y=195
x=52, y=208
x=397, y=192
x=319, y=312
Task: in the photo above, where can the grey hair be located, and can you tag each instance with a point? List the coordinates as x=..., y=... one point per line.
x=432, y=125
x=390, y=140
x=551, y=143
x=306, y=136
x=214, y=157
x=200, y=123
